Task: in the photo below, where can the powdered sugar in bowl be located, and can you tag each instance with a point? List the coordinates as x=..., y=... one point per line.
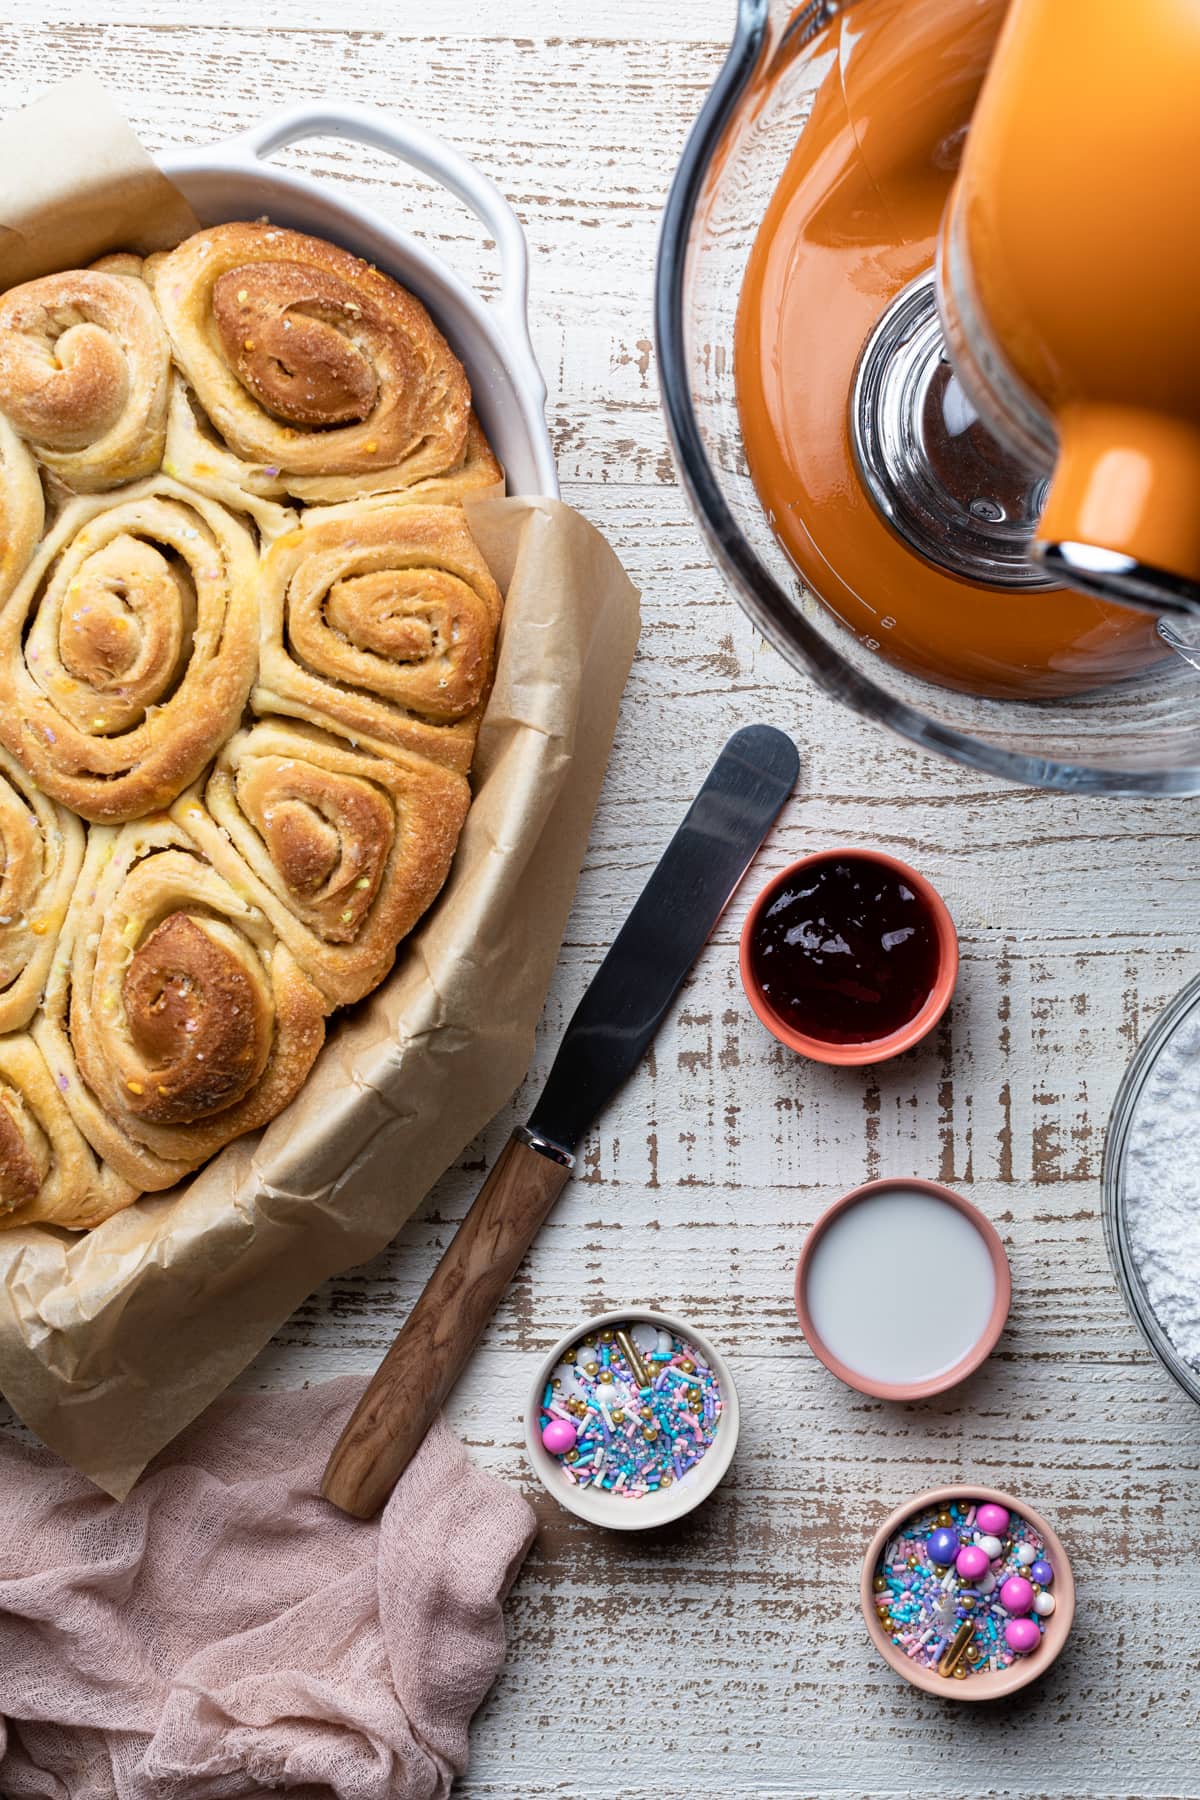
x=1152, y=1188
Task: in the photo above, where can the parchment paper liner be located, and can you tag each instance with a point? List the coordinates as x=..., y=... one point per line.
x=112, y=1341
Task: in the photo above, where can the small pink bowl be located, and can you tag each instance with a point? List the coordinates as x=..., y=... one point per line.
x=995, y=1683
x=875, y=1049
x=982, y=1349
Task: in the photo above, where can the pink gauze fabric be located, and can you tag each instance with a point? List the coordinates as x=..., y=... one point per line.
x=224, y=1632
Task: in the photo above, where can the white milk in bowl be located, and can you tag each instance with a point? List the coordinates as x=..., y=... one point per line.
x=900, y=1287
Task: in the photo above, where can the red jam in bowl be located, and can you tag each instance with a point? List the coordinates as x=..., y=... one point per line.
x=847, y=951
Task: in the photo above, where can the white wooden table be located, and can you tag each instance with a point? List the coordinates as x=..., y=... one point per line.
x=734, y=1640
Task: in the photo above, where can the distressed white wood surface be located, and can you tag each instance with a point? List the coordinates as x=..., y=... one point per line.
x=733, y=1641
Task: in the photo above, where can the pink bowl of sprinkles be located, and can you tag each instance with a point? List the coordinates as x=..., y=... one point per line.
x=632, y=1419
x=967, y=1593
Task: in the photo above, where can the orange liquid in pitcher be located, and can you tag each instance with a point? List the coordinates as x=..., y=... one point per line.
x=853, y=220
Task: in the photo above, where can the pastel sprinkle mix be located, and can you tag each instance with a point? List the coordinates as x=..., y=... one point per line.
x=631, y=1410
x=965, y=1589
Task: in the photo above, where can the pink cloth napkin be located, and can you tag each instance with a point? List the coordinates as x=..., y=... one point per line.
x=224, y=1632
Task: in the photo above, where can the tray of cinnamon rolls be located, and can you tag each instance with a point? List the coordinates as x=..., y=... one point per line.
x=246, y=638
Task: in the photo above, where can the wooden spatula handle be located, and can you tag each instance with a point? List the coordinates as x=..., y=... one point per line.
x=439, y=1334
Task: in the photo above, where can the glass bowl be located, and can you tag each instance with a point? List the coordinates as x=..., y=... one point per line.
x=1140, y=735
x=1175, y=1016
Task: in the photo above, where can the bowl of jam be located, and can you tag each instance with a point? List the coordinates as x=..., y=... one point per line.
x=849, y=956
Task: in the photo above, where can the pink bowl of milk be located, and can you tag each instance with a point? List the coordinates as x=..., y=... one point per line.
x=902, y=1288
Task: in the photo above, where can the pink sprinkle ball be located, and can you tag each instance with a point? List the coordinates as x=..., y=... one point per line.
x=1022, y=1635
x=992, y=1519
x=1016, y=1596
x=559, y=1437
x=972, y=1562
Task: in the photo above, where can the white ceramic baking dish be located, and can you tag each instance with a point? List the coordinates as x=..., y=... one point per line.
x=233, y=180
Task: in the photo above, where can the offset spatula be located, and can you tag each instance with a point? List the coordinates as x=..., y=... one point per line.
x=622, y=1009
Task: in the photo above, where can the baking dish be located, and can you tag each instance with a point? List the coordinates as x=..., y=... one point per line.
x=234, y=180
x=111, y=1341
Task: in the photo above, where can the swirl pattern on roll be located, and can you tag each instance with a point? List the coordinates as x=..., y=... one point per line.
x=311, y=364
x=342, y=850
x=175, y=1016
x=84, y=364
x=381, y=621
x=128, y=649
x=49, y=1174
x=42, y=849
x=195, y=454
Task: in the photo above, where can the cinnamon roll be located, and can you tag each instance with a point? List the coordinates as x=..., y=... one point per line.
x=195, y=455
x=310, y=363
x=246, y=634
x=127, y=650
x=174, y=1015
x=342, y=850
x=381, y=622
x=84, y=361
x=478, y=476
x=42, y=848
x=22, y=508
x=48, y=1173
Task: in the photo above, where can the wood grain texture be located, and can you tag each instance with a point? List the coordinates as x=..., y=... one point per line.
x=736, y=1632
x=434, y=1345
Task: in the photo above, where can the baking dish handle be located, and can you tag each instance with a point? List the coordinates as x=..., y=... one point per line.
x=421, y=150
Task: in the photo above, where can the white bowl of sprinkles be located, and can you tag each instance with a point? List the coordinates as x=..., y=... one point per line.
x=644, y=1414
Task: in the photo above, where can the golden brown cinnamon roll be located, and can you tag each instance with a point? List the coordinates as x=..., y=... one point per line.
x=48, y=1173
x=174, y=1014
x=127, y=651
x=380, y=620
x=342, y=850
x=41, y=846
x=231, y=480
x=476, y=474
x=310, y=363
x=196, y=456
x=84, y=362
x=22, y=508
